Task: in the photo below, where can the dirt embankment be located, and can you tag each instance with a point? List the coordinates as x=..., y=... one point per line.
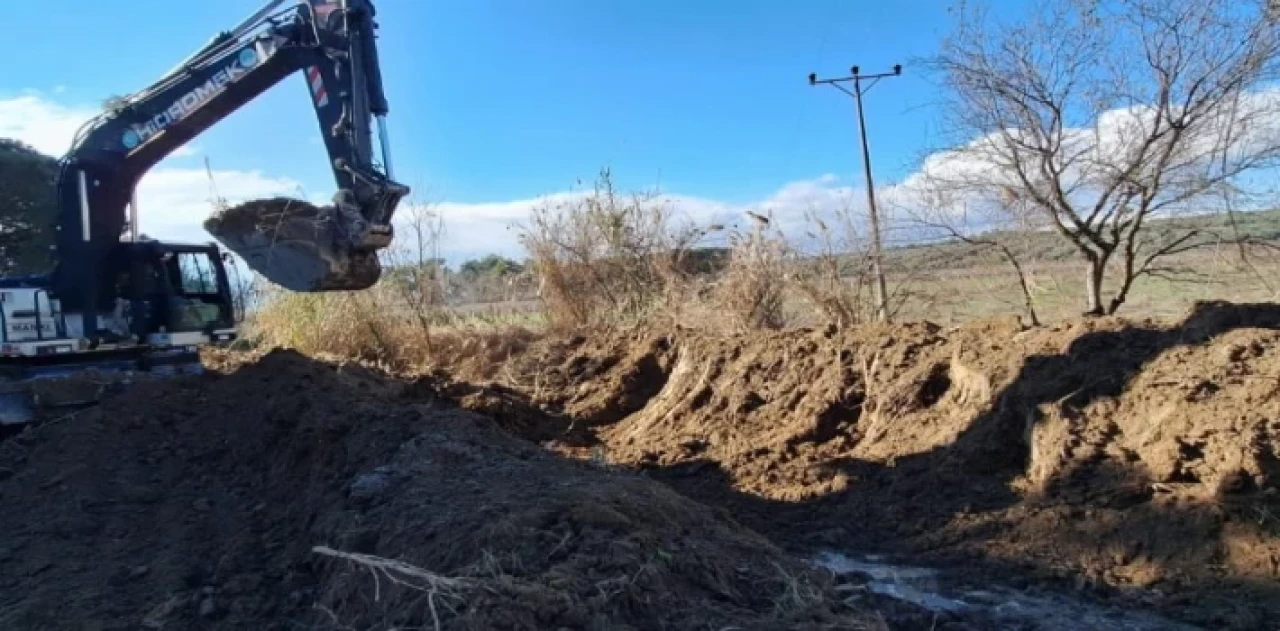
x=1128, y=459
x=200, y=503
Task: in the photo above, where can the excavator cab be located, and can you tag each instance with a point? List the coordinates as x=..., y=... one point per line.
x=162, y=301
x=172, y=288
x=200, y=296
x=167, y=294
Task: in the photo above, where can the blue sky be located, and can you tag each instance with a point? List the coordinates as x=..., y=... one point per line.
x=495, y=103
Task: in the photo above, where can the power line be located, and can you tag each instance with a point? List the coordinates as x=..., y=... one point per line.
x=882, y=294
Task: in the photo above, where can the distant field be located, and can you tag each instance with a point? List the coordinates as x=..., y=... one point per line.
x=953, y=296
x=1048, y=246
x=953, y=283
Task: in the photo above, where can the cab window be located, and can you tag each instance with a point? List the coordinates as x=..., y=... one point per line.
x=197, y=273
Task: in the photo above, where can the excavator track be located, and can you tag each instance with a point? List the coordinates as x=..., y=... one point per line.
x=33, y=390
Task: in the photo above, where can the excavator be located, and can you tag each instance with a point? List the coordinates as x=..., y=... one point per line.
x=115, y=301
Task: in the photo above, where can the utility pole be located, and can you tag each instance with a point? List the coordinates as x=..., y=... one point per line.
x=877, y=255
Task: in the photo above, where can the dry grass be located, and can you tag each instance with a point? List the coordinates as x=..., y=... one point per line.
x=401, y=322
x=752, y=289
x=835, y=280
x=607, y=258
x=604, y=258
x=380, y=325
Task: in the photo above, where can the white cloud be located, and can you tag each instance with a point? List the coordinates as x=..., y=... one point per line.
x=478, y=228
x=45, y=125
x=1226, y=145
x=50, y=126
x=173, y=202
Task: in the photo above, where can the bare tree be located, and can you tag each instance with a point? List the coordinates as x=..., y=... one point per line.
x=416, y=269
x=998, y=227
x=1103, y=117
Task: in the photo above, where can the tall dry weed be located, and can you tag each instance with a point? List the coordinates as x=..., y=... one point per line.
x=403, y=321
x=607, y=258
x=349, y=324
x=835, y=278
x=377, y=325
x=752, y=289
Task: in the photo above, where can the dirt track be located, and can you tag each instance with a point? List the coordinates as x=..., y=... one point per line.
x=1122, y=461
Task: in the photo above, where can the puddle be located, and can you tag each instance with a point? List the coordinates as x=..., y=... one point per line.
x=916, y=585
x=1010, y=608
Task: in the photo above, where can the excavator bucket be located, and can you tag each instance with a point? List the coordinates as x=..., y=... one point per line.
x=297, y=245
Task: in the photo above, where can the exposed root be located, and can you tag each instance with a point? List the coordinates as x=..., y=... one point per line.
x=404, y=575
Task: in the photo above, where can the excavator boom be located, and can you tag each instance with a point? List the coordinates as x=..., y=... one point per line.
x=117, y=304
x=304, y=248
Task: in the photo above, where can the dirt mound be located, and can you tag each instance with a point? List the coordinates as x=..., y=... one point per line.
x=1134, y=459
x=295, y=494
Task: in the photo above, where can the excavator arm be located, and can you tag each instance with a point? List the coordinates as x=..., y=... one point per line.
x=331, y=44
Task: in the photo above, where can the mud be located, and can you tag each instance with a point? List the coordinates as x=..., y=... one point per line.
x=286, y=493
x=1001, y=607
x=1133, y=462
x=294, y=244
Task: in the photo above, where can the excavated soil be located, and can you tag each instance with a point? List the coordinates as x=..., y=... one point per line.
x=287, y=493
x=293, y=244
x=266, y=215
x=1131, y=461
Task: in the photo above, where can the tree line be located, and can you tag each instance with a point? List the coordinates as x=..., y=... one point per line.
x=28, y=208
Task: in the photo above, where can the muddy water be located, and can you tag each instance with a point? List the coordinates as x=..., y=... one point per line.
x=1007, y=608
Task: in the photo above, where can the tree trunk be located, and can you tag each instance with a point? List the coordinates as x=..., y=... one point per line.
x=1122, y=295
x=1029, y=301
x=1093, y=285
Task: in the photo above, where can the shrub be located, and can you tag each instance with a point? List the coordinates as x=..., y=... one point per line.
x=605, y=258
